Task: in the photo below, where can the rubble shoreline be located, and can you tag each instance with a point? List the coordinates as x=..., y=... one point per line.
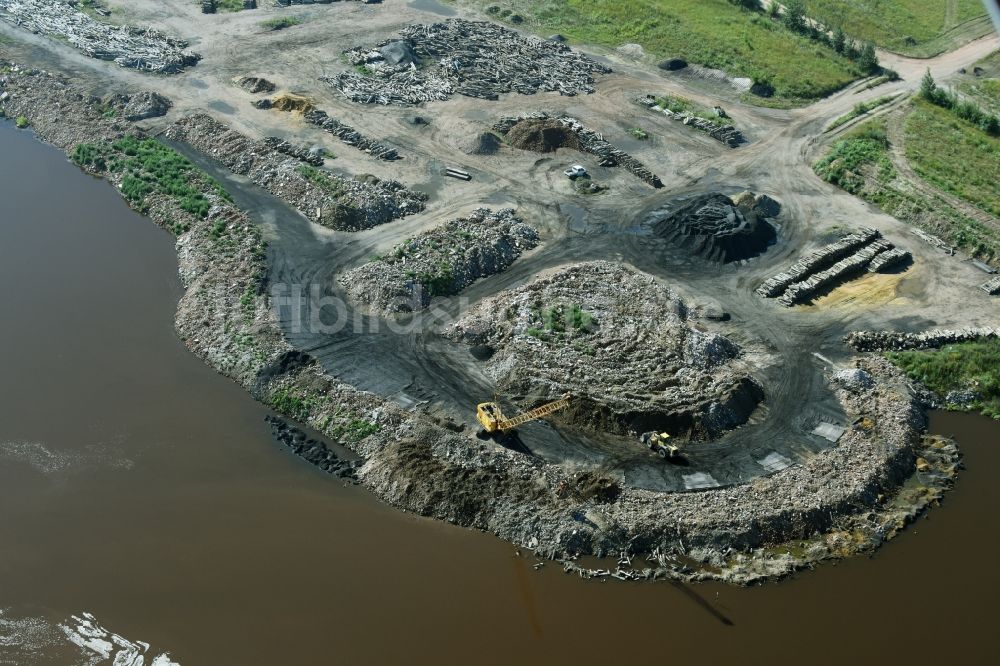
x=733, y=534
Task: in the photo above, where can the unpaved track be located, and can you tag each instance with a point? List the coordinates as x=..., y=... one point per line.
x=420, y=369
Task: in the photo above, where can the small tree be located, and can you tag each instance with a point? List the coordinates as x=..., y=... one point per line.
x=928, y=88
x=839, y=40
x=795, y=15
x=867, y=59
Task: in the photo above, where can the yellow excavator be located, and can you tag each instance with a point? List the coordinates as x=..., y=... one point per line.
x=493, y=420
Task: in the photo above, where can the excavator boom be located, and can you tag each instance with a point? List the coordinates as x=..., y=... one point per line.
x=492, y=418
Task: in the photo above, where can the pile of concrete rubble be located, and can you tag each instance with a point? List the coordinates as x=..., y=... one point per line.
x=442, y=261
x=832, y=264
x=572, y=133
x=350, y=136
x=335, y=201
x=716, y=227
x=471, y=58
x=300, y=153
x=880, y=341
x=137, y=48
x=727, y=134
x=621, y=344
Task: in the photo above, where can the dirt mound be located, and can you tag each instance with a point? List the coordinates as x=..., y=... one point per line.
x=289, y=102
x=543, y=135
x=485, y=143
x=255, y=84
x=621, y=344
x=715, y=227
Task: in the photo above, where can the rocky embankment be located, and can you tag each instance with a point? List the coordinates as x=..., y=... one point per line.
x=840, y=501
x=338, y=202
x=621, y=344
x=441, y=262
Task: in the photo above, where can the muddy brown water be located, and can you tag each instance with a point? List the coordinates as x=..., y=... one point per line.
x=138, y=485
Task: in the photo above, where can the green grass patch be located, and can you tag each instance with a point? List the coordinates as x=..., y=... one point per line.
x=716, y=33
x=322, y=180
x=973, y=366
x=297, y=405
x=679, y=104
x=147, y=167
x=280, y=23
x=228, y=5
x=899, y=25
x=859, y=163
x=954, y=155
x=861, y=154
x=860, y=109
x=21, y=122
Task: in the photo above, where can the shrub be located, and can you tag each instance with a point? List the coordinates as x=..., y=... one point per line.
x=21, y=122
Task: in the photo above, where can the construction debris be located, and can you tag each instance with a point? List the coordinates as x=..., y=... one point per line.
x=254, y=84
x=727, y=134
x=621, y=343
x=334, y=201
x=298, y=152
x=350, y=136
x=716, y=228
x=880, y=341
x=471, y=58
x=991, y=287
x=136, y=48
x=934, y=240
x=442, y=261
x=140, y=106
x=832, y=264
x=543, y=133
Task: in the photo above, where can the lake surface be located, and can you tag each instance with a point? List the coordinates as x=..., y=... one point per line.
x=140, y=486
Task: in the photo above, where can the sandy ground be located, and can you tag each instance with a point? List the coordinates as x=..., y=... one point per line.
x=792, y=348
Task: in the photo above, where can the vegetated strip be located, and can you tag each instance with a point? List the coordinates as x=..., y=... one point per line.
x=334, y=201
x=860, y=109
x=965, y=376
x=860, y=164
x=785, y=56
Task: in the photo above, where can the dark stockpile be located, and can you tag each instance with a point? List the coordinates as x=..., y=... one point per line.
x=716, y=228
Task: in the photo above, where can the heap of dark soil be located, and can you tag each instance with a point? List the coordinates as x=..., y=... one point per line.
x=712, y=226
x=542, y=135
x=255, y=84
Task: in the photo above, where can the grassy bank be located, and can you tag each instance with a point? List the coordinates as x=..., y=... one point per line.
x=715, y=33
x=860, y=164
x=148, y=167
x=860, y=109
x=904, y=26
x=954, y=155
x=969, y=366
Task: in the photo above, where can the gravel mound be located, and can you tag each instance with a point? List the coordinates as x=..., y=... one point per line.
x=621, y=344
x=542, y=135
x=715, y=227
x=442, y=261
x=255, y=84
x=484, y=143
